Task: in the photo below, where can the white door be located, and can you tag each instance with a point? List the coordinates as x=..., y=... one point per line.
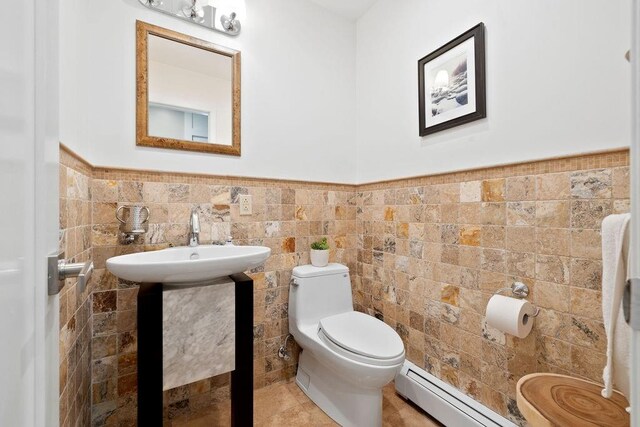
x=28, y=213
x=635, y=217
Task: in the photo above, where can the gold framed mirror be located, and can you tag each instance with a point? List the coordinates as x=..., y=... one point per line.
x=188, y=92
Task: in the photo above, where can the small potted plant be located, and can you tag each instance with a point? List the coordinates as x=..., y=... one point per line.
x=320, y=253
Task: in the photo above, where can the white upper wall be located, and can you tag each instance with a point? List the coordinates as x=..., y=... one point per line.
x=557, y=83
x=298, y=90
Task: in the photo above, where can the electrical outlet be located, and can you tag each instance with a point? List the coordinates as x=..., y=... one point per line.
x=245, y=204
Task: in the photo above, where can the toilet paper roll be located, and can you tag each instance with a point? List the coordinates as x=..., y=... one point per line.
x=510, y=315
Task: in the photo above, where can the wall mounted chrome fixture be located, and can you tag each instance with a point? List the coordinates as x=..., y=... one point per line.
x=134, y=221
x=518, y=290
x=193, y=11
x=230, y=23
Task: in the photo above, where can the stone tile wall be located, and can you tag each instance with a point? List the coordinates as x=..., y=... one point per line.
x=432, y=250
x=75, y=313
x=425, y=254
x=287, y=217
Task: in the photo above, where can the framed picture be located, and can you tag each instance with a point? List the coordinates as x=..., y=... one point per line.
x=451, y=83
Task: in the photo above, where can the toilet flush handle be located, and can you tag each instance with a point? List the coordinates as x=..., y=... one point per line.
x=293, y=282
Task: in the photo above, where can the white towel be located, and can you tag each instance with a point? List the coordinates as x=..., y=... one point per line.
x=615, y=251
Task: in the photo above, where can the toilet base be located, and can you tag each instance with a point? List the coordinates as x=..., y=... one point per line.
x=346, y=403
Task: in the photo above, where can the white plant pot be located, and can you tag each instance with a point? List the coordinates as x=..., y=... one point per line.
x=319, y=258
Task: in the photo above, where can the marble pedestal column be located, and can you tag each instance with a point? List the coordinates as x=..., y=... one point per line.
x=152, y=378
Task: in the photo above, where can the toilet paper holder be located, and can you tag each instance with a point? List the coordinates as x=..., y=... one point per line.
x=519, y=290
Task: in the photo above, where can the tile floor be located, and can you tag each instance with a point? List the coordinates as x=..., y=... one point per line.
x=285, y=405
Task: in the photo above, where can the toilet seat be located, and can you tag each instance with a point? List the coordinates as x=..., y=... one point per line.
x=362, y=338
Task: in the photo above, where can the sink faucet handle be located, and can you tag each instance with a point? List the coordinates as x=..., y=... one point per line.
x=229, y=241
x=195, y=221
x=194, y=228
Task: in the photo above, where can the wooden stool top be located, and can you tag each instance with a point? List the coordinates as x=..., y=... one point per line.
x=559, y=400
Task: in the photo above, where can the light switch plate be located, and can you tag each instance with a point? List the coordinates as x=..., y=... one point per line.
x=245, y=204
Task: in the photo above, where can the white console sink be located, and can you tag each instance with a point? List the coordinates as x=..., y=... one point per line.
x=184, y=264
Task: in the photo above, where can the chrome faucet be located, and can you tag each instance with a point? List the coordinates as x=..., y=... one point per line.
x=194, y=229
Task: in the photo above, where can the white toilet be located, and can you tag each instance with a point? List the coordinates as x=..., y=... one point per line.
x=347, y=356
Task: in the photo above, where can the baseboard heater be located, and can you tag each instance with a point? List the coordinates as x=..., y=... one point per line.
x=444, y=402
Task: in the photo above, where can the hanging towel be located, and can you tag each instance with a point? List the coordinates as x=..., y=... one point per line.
x=615, y=251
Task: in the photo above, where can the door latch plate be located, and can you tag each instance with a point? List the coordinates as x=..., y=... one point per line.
x=631, y=303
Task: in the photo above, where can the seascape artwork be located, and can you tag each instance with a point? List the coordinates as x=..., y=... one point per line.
x=448, y=88
x=451, y=83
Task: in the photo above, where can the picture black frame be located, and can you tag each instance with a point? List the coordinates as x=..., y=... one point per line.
x=478, y=34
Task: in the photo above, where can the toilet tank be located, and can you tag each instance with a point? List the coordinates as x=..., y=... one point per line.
x=317, y=292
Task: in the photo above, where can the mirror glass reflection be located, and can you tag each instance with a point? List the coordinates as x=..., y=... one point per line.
x=190, y=93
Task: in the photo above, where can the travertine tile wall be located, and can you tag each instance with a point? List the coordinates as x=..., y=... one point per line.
x=425, y=253
x=75, y=313
x=286, y=217
x=432, y=250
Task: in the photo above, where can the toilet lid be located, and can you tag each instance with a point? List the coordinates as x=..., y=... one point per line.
x=362, y=334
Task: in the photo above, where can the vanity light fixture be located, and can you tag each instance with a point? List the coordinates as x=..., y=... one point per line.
x=196, y=13
x=230, y=24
